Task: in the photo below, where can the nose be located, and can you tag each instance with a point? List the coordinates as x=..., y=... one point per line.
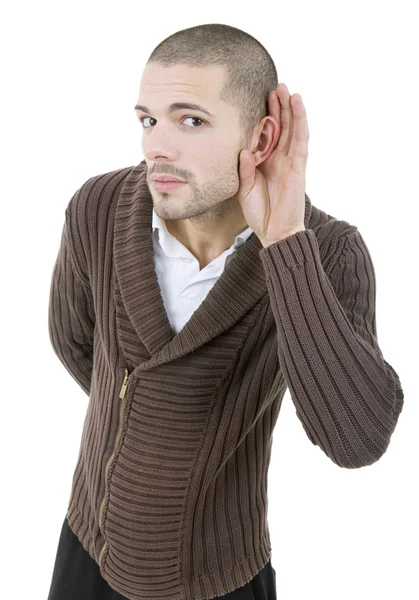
x=159, y=143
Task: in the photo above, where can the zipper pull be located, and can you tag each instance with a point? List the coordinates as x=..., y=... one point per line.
x=124, y=385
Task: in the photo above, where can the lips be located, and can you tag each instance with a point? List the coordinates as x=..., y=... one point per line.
x=167, y=185
x=167, y=178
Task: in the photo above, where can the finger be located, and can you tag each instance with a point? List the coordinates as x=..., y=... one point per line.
x=298, y=150
x=284, y=98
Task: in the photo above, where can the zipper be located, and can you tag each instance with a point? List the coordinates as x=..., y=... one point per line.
x=122, y=395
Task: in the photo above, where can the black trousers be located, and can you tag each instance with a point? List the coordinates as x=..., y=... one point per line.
x=76, y=576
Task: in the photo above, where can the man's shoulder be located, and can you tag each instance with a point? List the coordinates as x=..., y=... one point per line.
x=89, y=213
x=101, y=187
x=92, y=200
x=326, y=227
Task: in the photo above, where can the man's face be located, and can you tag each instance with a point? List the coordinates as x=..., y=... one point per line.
x=190, y=144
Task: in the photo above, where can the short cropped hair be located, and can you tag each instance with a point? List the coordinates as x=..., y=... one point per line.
x=251, y=72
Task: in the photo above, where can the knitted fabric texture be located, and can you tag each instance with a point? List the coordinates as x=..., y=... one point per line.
x=169, y=493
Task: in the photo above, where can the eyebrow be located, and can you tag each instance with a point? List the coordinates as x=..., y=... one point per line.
x=178, y=106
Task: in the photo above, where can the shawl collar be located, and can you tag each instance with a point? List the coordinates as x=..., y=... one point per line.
x=141, y=316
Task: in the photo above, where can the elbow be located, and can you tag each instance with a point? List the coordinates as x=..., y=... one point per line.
x=345, y=462
x=365, y=451
x=369, y=441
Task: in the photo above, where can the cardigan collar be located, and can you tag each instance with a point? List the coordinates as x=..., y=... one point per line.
x=140, y=310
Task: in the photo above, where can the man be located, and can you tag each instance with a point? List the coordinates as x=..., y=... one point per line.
x=185, y=309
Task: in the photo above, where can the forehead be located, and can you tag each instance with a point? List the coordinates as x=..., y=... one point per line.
x=160, y=85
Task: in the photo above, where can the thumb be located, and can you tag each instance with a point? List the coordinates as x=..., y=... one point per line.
x=247, y=171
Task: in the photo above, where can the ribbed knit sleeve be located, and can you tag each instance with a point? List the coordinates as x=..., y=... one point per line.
x=71, y=318
x=346, y=395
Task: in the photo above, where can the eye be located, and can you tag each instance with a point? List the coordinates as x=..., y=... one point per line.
x=195, y=119
x=142, y=119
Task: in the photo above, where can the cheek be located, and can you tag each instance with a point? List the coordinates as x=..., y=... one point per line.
x=220, y=153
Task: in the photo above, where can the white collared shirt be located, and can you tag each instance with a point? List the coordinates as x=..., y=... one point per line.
x=183, y=286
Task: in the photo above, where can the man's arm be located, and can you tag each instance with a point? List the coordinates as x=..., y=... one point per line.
x=71, y=318
x=346, y=395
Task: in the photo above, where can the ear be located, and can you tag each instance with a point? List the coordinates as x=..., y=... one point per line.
x=267, y=139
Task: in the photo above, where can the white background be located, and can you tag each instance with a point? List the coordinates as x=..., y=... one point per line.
x=70, y=79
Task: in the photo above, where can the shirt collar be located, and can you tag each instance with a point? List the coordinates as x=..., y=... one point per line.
x=164, y=236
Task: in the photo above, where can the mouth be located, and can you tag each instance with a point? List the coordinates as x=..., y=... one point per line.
x=165, y=185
